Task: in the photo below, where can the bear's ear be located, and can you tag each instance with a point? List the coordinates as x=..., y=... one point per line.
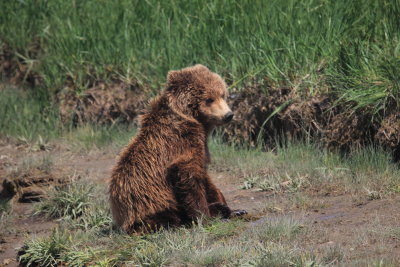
x=200, y=67
x=175, y=75
x=172, y=76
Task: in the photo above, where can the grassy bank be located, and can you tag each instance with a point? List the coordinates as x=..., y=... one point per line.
x=349, y=48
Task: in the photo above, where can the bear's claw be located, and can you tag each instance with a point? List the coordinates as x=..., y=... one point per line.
x=237, y=213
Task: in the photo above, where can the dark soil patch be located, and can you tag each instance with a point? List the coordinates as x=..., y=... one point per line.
x=274, y=116
x=389, y=134
x=103, y=104
x=31, y=186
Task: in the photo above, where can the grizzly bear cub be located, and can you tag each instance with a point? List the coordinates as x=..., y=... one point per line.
x=161, y=177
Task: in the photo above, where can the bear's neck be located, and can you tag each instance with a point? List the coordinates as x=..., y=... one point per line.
x=208, y=130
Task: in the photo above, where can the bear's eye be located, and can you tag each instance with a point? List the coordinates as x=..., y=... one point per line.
x=209, y=100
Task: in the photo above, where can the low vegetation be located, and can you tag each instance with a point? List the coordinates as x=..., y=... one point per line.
x=298, y=166
x=269, y=241
x=282, y=240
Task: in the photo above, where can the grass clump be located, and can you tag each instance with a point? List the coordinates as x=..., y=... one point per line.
x=95, y=218
x=45, y=251
x=70, y=201
x=79, y=257
x=80, y=206
x=55, y=250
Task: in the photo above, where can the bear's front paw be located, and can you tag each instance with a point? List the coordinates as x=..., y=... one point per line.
x=220, y=209
x=237, y=213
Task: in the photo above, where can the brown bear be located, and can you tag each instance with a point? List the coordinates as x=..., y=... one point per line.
x=161, y=179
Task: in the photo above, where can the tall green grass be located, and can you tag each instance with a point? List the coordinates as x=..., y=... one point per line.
x=27, y=116
x=311, y=45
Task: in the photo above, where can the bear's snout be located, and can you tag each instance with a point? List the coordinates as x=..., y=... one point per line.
x=228, y=117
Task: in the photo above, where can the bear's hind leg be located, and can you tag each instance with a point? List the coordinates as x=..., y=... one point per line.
x=160, y=220
x=187, y=180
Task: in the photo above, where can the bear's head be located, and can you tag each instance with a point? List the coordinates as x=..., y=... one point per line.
x=198, y=93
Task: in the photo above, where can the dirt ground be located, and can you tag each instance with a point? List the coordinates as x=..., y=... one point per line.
x=361, y=229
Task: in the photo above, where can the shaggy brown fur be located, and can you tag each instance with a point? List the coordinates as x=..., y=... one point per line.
x=161, y=177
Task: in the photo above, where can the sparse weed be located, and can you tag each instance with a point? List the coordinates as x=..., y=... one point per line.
x=267, y=230
x=249, y=182
x=299, y=166
x=333, y=256
x=44, y=164
x=301, y=200
x=214, y=256
x=395, y=233
x=224, y=229
x=5, y=216
x=373, y=167
x=89, y=137
x=149, y=254
x=278, y=255
x=272, y=207
x=373, y=195
x=215, y=243
x=104, y=263
x=5, y=206
x=269, y=184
